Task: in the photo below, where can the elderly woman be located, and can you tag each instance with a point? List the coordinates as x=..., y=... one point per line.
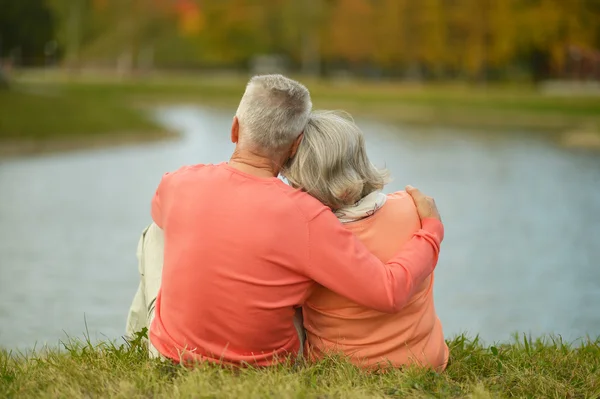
x=332, y=165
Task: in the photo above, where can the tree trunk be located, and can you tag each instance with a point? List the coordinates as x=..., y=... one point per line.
x=311, y=57
x=3, y=80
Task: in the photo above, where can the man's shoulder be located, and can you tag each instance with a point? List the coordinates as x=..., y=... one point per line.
x=300, y=201
x=188, y=168
x=185, y=171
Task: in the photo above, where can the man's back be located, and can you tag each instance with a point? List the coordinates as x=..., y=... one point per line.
x=230, y=278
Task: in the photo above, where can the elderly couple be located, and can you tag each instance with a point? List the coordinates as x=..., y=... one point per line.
x=241, y=268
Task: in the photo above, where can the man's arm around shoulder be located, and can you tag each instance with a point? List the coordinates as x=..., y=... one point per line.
x=340, y=262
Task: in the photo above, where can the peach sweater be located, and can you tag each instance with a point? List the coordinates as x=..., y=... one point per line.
x=369, y=337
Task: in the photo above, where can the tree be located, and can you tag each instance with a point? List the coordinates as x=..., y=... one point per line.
x=25, y=28
x=459, y=38
x=3, y=80
x=350, y=32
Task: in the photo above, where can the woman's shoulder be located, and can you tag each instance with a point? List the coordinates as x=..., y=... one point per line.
x=402, y=204
x=390, y=227
x=401, y=198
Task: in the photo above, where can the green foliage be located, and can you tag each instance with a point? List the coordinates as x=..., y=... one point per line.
x=25, y=28
x=3, y=80
x=524, y=368
x=30, y=112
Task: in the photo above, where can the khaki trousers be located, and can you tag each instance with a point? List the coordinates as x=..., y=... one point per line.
x=150, y=255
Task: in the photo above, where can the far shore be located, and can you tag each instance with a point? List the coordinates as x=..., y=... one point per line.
x=56, y=112
x=22, y=148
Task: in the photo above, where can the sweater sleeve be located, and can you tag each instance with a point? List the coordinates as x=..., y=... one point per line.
x=340, y=262
x=157, y=202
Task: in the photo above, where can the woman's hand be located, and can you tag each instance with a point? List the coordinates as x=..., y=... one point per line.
x=426, y=207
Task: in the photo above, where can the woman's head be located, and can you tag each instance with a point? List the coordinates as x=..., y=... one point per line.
x=332, y=164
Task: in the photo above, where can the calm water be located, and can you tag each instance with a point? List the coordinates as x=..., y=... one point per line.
x=522, y=220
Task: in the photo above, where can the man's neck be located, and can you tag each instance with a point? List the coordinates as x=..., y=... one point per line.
x=254, y=164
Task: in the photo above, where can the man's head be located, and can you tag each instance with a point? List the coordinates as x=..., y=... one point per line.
x=271, y=116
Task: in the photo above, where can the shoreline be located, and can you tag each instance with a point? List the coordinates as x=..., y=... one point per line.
x=585, y=138
x=14, y=149
x=106, y=108
x=573, y=139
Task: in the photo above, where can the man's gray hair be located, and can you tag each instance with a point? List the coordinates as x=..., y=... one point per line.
x=332, y=163
x=273, y=112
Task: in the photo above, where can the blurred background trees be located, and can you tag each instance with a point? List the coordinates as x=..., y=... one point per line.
x=26, y=28
x=474, y=40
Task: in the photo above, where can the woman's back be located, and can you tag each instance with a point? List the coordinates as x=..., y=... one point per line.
x=336, y=324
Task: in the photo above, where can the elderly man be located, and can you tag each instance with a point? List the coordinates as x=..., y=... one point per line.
x=243, y=250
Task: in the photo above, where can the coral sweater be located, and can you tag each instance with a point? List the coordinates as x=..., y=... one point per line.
x=242, y=252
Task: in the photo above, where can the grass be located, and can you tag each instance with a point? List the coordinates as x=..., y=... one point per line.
x=58, y=107
x=50, y=117
x=544, y=368
x=45, y=113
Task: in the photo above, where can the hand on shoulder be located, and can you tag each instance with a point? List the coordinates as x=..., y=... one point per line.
x=426, y=207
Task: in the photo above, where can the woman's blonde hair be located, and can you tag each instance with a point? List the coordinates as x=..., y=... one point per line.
x=332, y=164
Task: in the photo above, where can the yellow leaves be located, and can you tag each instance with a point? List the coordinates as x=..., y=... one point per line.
x=460, y=36
x=433, y=34
x=388, y=32
x=503, y=32
x=191, y=24
x=100, y=5
x=540, y=23
x=190, y=18
x=350, y=30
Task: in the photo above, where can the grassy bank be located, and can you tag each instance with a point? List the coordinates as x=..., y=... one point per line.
x=58, y=108
x=534, y=369
x=41, y=117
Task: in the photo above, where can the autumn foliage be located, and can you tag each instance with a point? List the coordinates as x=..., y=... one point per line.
x=432, y=38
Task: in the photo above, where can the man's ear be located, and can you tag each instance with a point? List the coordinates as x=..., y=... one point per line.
x=296, y=144
x=235, y=130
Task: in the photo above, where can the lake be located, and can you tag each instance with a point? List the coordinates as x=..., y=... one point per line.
x=522, y=219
